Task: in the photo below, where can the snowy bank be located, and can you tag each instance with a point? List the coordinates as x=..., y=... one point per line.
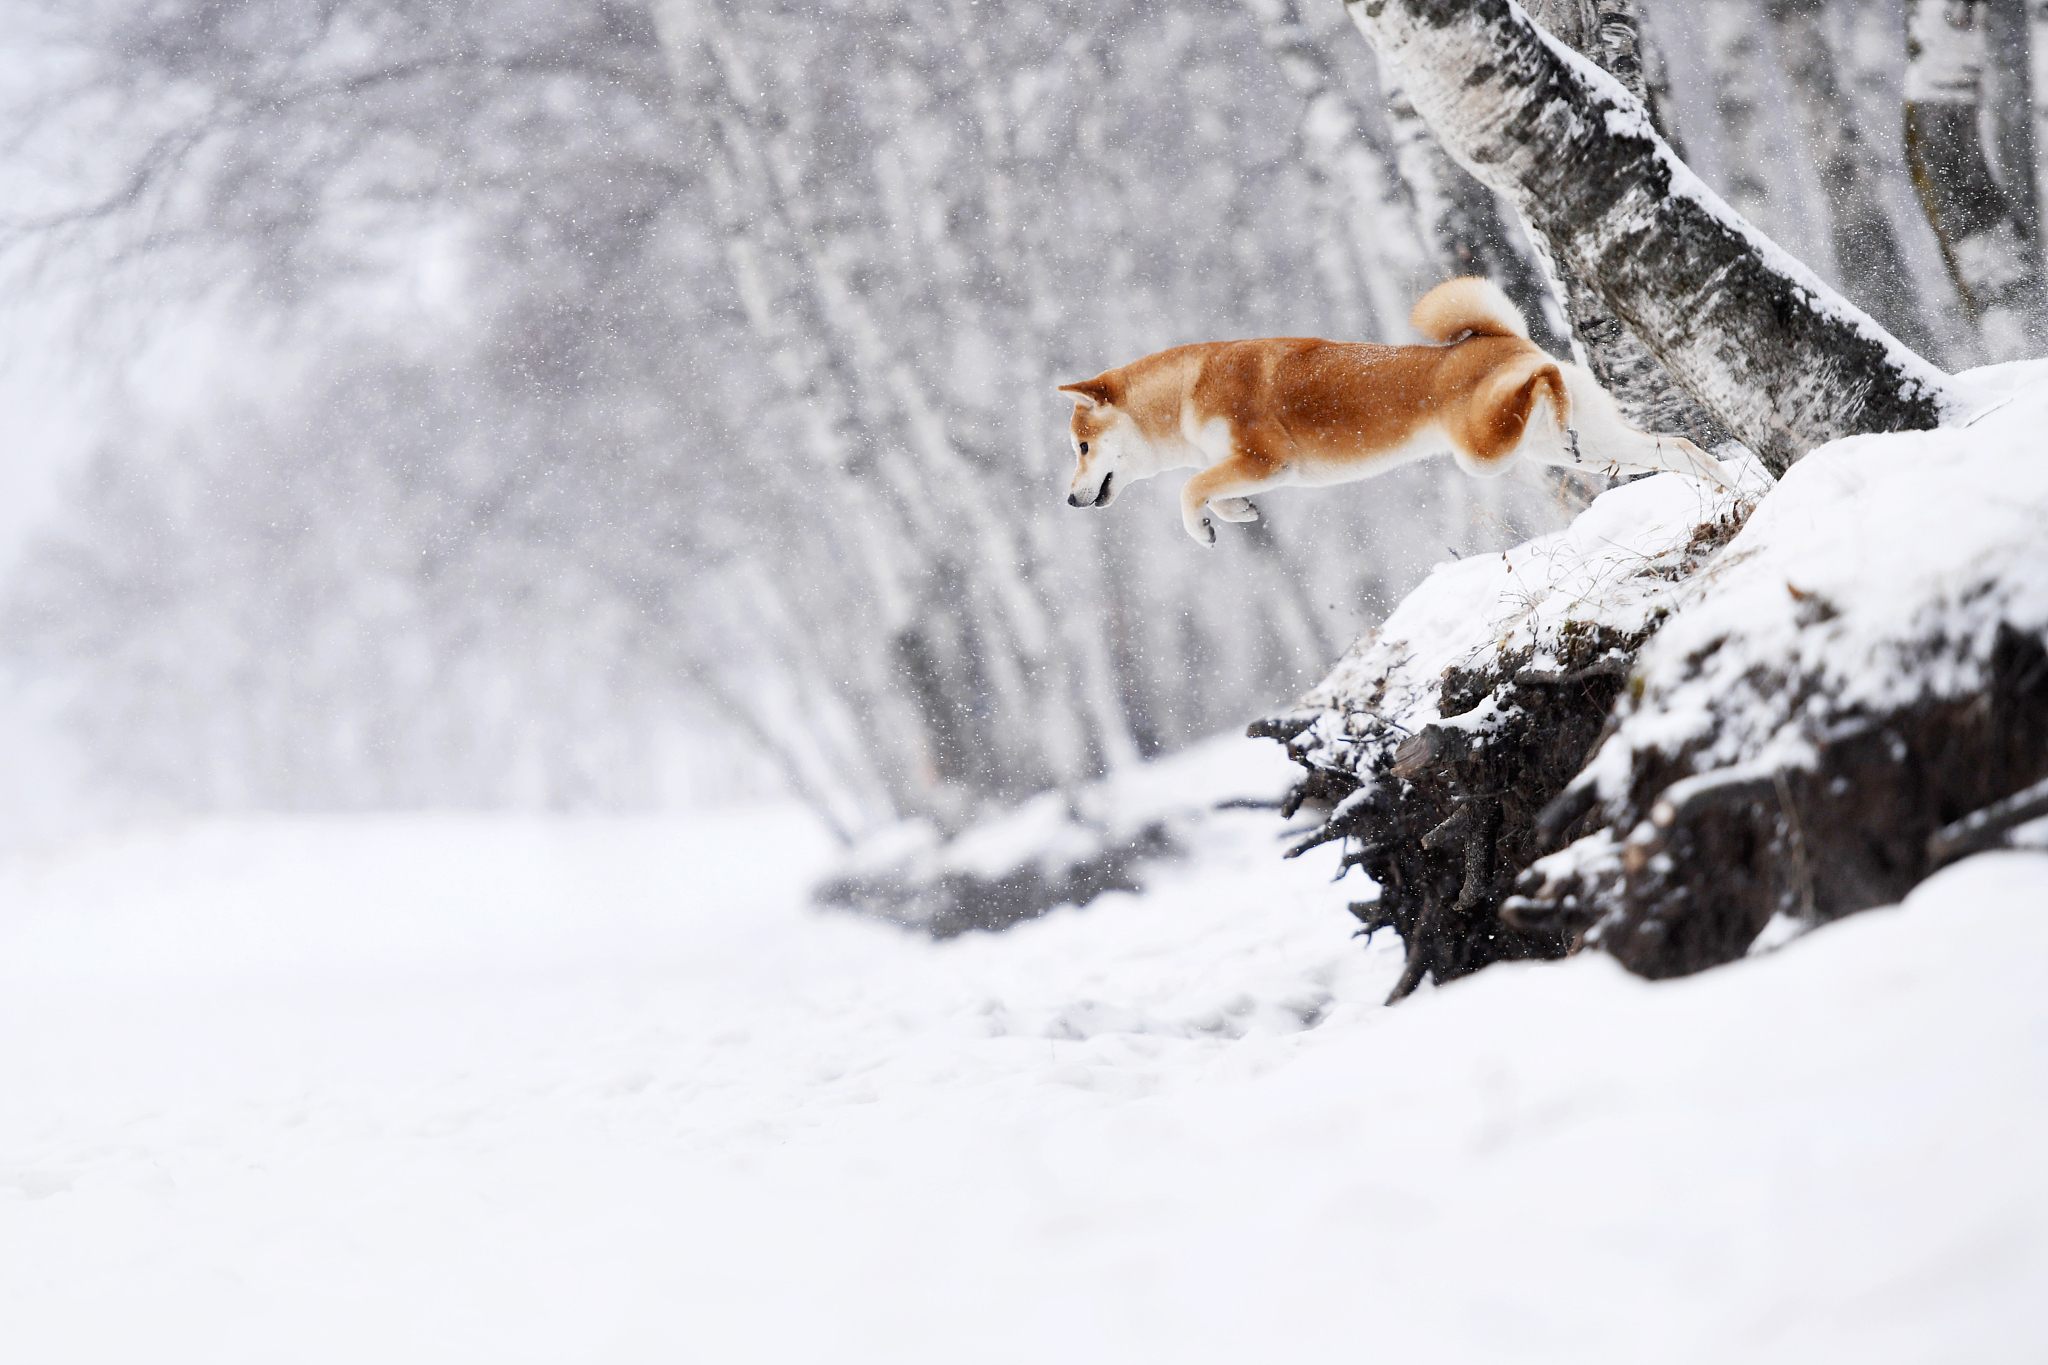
x=425, y=1089
x=1058, y=848
x=1726, y=714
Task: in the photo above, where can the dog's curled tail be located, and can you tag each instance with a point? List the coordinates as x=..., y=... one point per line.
x=1467, y=307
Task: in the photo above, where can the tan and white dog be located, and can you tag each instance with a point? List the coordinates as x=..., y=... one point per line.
x=1264, y=414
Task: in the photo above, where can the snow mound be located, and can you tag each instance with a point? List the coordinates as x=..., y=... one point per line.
x=1622, y=566
x=1693, y=712
x=1058, y=848
x=1879, y=571
x=425, y=1089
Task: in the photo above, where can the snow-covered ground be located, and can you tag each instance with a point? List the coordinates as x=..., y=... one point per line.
x=441, y=1089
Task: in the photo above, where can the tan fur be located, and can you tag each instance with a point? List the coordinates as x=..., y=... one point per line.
x=1296, y=410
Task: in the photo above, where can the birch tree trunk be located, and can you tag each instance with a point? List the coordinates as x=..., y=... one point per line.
x=2037, y=104
x=957, y=632
x=1735, y=61
x=1367, y=232
x=1994, y=265
x=1761, y=342
x=1015, y=276
x=819, y=384
x=1460, y=224
x=1606, y=32
x=2006, y=94
x=1868, y=260
x=1657, y=82
x=1459, y=219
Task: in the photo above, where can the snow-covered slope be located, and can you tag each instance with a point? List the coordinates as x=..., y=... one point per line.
x=1878, y=571
x=1693, y=711
x=437, y=1089
x=1624, y=564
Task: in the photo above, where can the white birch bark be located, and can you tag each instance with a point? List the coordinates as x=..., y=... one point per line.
x=1868, y=259
x=1605, y=31
x=1774, y=353
x=1367, y=232
x=1736, y=64
x=2037, y=103
x=1995, y=266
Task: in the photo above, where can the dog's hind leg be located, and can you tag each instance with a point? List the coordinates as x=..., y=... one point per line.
x=1607, y=442
x=1516, y=411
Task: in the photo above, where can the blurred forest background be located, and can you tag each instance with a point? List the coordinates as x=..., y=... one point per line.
x=593, y=403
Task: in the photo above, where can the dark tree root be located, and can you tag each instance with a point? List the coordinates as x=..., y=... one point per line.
x=1452, y=817
x=1889, y=798
x=1887, y=801
x=1987, y=828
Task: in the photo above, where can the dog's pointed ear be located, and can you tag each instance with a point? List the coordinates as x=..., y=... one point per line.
x=1090, y=393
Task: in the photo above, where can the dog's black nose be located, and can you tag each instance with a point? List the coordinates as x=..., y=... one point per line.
x=1074, y=500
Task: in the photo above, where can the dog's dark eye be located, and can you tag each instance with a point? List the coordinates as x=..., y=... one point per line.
x=1084, y=447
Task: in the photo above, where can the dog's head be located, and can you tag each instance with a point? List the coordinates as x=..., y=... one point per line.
x=1099, y=430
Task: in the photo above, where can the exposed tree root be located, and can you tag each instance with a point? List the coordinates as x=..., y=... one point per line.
x=1454, y=820
x=1704, y=864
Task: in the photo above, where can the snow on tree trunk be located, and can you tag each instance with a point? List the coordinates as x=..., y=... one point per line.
x=1868, y=260
x=1607, y=32
x=1994, y=265
x=1760, y=341
x=1735, y=61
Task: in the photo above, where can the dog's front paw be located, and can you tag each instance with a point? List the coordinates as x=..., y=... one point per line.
x=1235, y=509
x=1202, y=529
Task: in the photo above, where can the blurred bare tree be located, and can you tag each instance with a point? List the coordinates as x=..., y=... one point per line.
x=624, y=363
x=731, y=391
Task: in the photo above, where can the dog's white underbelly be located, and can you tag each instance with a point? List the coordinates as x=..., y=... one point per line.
x=1320, y=471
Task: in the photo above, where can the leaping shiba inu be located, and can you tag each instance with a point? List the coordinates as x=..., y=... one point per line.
x=1294, y=410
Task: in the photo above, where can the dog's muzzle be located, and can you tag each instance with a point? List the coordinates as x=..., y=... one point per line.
x=1101, y=497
